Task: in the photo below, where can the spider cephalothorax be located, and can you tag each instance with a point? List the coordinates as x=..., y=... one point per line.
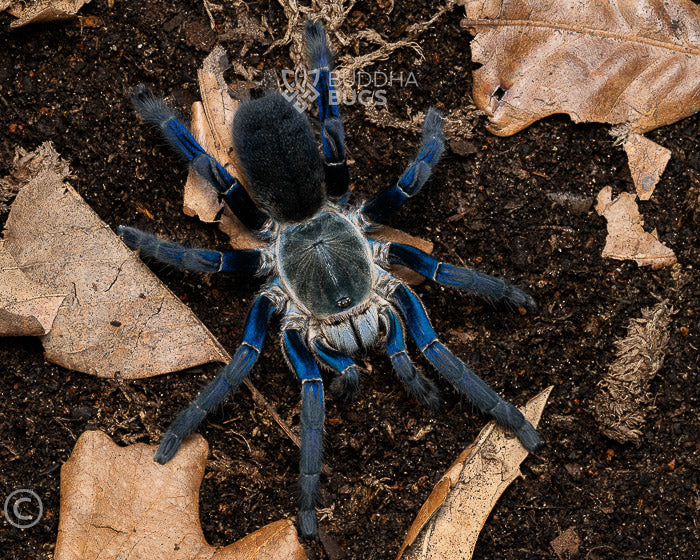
x=329, y=281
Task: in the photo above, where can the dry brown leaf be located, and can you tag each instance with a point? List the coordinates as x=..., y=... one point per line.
x=647, y=161
x=617, y=61
x=212, y=122
x=625, y=62
x=624, y=401
x=117, y=503
x=626, y=236
x=449, y=523
x=26, y=308
x=41, y=11
x=118, y=319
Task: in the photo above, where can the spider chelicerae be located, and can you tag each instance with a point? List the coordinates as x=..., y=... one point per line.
x=327, y=279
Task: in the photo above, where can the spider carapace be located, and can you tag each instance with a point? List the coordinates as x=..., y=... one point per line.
x=329, y=282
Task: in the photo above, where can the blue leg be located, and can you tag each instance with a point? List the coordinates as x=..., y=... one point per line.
x=457, y=373
x=320, y=61
x=246, y=261
x=416, y=384
x=381, y=206
x=347, y=384
x=227, y=381
x=154, y=111
x=477, y=283
x=312, y=419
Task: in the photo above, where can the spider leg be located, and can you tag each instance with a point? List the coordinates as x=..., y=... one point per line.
x=198, y=260
x=312, y=419
x=154, y=111
x=230, y=377
x=416, y=383
x=456, y=372
x=382, y=205
x=462, y=278
x=347, y=384
x=320, y=60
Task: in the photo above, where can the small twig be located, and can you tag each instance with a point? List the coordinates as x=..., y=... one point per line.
x=208, y=7
x=606, y=547
x=60, y=423
x=262, y=401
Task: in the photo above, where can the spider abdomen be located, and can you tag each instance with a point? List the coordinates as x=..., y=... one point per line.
x=325, y=264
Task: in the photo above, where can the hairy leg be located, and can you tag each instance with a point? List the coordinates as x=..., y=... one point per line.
x=198, y=260
x=320, y=61
x=228, y=380
x=456, y=372
x=382, y=205
x=416, y=384
x=347, y=383
x=154, y=111
x=483, y=285
x=312, y=419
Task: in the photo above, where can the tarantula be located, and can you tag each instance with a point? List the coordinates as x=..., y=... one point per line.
x=330, y=283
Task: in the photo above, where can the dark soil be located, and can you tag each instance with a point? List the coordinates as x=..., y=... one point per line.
x=69, y=83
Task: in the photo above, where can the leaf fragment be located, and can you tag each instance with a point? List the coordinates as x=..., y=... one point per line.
x=118, y=319
x=118, y=503
x=42, y=11
x=626, y=236
x=449, y=523
x=647, y=161
x=26, y=308
x=566, y=544
x=630, y=63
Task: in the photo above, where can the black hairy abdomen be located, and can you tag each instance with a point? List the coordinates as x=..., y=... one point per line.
x=279, y=157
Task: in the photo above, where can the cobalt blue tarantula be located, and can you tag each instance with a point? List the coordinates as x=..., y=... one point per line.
x=329, y=282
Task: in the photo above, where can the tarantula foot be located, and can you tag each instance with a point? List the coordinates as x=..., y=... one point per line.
x=529, y=438
x=426, y=392
x=130, y=236
x=517, y=298
x=308, y=523
x=167, y=448
x=346, y=387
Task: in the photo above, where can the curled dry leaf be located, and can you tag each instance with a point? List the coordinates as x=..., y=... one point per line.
x=623, y=402
x=117, y=319
x=212, y=123
x=26, y=308
x=41, y=11
x=449, y=523
x=118, y=503
x=631, y=62
x=626, y=236
x=615, y=61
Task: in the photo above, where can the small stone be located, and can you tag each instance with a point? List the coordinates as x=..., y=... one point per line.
x=461, y=147
x=81, y=413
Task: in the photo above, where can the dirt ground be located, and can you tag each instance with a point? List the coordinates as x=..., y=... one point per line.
x=487, y=206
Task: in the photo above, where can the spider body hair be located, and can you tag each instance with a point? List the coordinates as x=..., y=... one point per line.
x=279, y=157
